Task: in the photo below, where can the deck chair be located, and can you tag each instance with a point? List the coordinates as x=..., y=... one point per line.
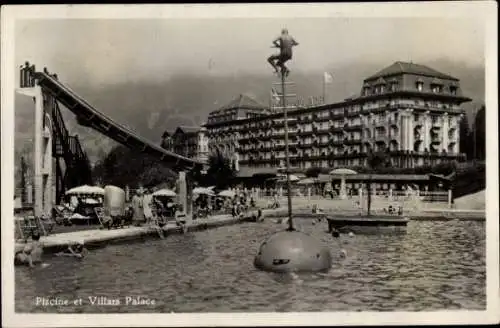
x=103, y=221
x=61, y=215
x=28, y=225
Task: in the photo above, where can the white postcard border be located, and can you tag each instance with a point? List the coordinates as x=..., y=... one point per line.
x=486, y=9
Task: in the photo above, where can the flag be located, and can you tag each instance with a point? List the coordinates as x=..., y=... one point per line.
x=327, y=77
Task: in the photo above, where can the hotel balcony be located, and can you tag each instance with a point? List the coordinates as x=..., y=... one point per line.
x=336, y=116
x=322, y=131
x=380, y=124
x=393, y=122
x=305, y=133
x=304, y=145
x=435, y=148
x=353, y=113
x=436, y=125
x=279, y=147
x=436, y=139
x=355, y=127
x=336, y=129
x=421, y=108
x=352, y=141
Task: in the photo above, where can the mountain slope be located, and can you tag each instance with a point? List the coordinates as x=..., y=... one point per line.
x=151, y=108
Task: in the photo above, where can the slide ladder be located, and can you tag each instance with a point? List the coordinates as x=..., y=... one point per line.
x=78, y=170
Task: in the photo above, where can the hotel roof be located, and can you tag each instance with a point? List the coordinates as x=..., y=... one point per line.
x=241, y=101
x=409, y=68
x=188, y=129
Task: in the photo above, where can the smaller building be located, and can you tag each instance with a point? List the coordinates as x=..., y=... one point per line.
x=240, y=108
x=188, y=141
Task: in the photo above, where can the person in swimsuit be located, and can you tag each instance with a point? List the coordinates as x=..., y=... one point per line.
x=284, y=42
x=76, y=249
x=31, y=253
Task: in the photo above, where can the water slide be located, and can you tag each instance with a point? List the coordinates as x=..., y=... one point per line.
x=89, y=116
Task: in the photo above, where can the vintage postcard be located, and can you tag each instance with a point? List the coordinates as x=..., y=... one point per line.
x=250, y=164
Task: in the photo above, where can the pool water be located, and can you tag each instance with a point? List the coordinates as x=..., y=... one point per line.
x=434, y=266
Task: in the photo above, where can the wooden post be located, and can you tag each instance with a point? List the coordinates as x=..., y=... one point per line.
x=185, y=193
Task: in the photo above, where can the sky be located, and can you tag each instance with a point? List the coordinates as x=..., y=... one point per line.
x=107, y=51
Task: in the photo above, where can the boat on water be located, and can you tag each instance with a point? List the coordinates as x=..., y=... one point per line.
x=364, y=224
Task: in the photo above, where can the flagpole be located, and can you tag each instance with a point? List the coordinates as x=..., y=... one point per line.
x=271, y=101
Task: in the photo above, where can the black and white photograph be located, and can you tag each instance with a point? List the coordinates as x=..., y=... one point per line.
x=250, y=164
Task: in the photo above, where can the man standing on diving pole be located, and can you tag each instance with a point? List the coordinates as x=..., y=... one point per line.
x=284, y=42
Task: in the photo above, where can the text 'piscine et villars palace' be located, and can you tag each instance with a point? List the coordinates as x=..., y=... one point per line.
x=410, y=110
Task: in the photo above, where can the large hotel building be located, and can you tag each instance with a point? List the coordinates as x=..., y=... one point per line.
x=409, y=110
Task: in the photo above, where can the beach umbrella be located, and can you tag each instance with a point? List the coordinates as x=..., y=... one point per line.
x=165, y=192
x=202, y=191
x=293, y=178
x=343, y=171
x=90, y=201
x=307, y=181
x=227, y=193
x=85, y=189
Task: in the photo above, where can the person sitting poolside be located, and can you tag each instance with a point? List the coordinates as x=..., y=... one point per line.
x=31, y=253
x=75, y=249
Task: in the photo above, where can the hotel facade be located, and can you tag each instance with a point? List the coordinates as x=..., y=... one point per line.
x=409, y=110
x=188, y=141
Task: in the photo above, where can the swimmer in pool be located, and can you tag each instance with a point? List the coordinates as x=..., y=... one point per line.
x=31, y=253
x=77, y=250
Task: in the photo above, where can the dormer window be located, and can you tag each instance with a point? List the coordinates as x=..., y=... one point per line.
x=436, y=86
x=366, y=91
x=453, y=89
x=436, y=89
x=393, y=85
x=380, y=85
x=419, y=85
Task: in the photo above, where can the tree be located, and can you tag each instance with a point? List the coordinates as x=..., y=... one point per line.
x=375, y=162
x=123, y=166
x=156, y=175
x=479, y=132
x=220, y=172
x=465, y=144
x=313, y=172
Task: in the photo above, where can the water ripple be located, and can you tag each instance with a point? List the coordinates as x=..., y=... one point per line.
x=436, y=265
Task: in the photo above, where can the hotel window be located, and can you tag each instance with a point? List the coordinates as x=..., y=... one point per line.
x=420, y=85
x=453, y=90
x=366, y=91
x=393, y=86
x=436, y=89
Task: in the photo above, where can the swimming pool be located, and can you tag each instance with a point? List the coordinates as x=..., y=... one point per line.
x=436, y=265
